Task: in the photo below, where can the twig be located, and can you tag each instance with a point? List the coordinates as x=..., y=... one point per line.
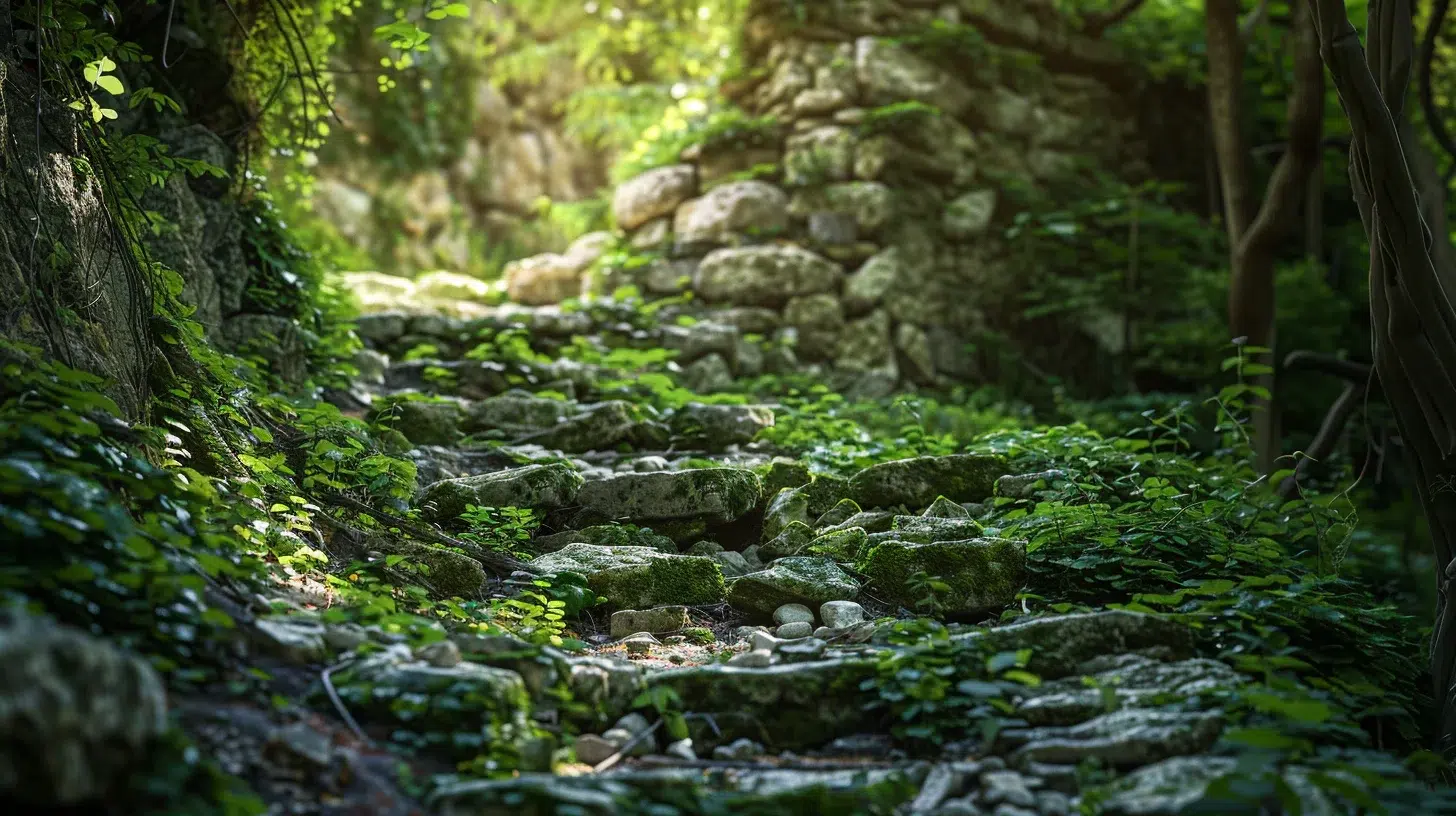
x=339, y=703
x=500, y=564
x=621, y=752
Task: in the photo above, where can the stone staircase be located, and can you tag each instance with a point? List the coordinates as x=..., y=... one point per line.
x=759, y=654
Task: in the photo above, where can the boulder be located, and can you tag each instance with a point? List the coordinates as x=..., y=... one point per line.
x=607, y=535
x=542, y=279
x=819, y=320
x=890, y=74
x=653, y=194
x=442, y=286
x=808, y=580
x=426, y=422
x=638, y=577
x=661, y=620
x=538, y=487
x=517, y=413
x=729, y=211
x=822, y=155
x=915, y=483
x=712, y=494
x=717, y=427
x=767, y=276
x=969, y=215
x=984, y=574
x=78, y=714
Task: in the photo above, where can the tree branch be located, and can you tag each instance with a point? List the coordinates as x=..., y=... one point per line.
x=1096, y=25
x=1252, y=22
x=1434, y=121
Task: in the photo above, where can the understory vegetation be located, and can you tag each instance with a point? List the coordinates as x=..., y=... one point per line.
x=266, y=529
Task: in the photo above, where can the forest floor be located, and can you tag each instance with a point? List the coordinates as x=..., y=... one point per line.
x=767, y=637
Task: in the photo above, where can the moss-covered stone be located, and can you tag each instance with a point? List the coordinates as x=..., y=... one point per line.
x=449, y=574
x=517, y=413
x=391, y=688
x=782, y=473
x=788, y=507
x=984, y=574
x=808, y=580
x=790, y=706
x=838, y=514
x=790, y=541
x=710, y=494
x=873, y=521
x=638, y=577
x=604, y=427
x=917, y=482
x=716, y=427
x=923, y=530
x=425, y=422
x=1061, y=644
x=659, y=620
x=538, y=487
x=824, y=492
x=841, y=545
x=946, y=509
x=606, y=535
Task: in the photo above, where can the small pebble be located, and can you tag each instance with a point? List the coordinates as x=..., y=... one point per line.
x=739, y=749
x=682, y=749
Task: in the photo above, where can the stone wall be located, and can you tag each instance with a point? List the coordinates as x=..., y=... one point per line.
x=866, y=218
x=517, y=152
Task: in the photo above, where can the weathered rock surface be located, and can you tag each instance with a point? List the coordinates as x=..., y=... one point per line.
x=638, y=577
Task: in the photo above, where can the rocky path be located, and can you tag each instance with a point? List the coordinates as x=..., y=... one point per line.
x=758, y=648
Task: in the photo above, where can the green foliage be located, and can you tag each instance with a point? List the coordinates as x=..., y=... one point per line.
x=140, y=543
x=504, y=529
x=716, y=128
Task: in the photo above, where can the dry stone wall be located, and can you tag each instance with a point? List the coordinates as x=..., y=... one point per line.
x=864, y=213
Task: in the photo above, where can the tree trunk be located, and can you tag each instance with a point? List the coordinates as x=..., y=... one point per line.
x=1414, y=321
x=1225, y=86
x=1255, y=236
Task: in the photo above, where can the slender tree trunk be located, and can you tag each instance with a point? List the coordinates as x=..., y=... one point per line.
x=1225, y=87
x=1411, y=278
x=1255, y=234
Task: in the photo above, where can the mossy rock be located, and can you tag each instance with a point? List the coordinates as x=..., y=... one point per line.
x=638, y=577
x=604, y=427
x=788, y=507
x=845, y=510
x=841, y=545
x=717, y=427
x=451, y=574
x=923, y=530
x=790, y=541
x=984, y=574
x=517, y=413
x=782, y=473
x=873, y=521
x=825, y=491
x=790, y=706
x=538, y=487
x=945, y=509
x=809, y=580
x=606, y=535
x=391, y=688
x=708, y=494
x=425, y=422
x=918, y=482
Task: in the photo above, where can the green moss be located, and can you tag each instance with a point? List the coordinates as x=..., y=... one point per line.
x=699, y=635
x=639, y=577
x=838, y=514
x=449, y=574
x=789, y=507
x=983, y=574
x=841, y=545
x=918, y=482
x=790, y=541
x=783, y=473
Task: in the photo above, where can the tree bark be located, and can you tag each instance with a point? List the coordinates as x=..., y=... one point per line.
x=1225, y=84
x=1411, y=276
x=1255, y=235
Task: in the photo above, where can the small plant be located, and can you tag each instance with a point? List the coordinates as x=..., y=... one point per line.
x=505, y=530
